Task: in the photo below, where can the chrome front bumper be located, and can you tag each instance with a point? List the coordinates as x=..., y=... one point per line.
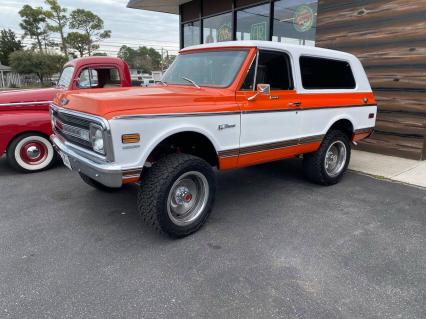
x=105, y=173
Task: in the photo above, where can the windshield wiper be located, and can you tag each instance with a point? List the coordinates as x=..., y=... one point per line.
x=192, y=82
x=163, y=82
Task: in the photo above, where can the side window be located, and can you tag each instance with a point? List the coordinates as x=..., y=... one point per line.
x=87, y=79
x=114, y=76
x=274, y=69
x=249, y=80
x=109, y=78
x=322, y=74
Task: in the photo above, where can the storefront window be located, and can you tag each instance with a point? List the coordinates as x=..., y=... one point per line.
x=191, y=33
x=295, y=21
x=218, y=28
x=253, y=23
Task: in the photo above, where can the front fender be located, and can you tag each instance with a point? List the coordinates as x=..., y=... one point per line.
x=154, y=131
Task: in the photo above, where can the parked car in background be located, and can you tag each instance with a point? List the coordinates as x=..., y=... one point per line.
x=24, y=114
x=225, y=105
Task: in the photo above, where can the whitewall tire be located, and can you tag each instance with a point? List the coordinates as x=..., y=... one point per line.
x=30, y=153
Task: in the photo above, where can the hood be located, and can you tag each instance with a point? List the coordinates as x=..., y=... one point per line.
x=30, y=95
x=109, y=103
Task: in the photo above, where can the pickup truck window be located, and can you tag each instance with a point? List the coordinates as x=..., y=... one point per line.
x=66, y=77
x=88, y=79
x=208, y=68
x=338, y=74
x=273, y=68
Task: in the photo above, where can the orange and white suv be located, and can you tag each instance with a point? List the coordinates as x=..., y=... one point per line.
x=227, y=105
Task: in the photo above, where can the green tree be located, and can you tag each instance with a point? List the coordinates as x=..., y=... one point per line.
x=8, y=45
x=168, y=60
x=91, y=25
x=33, y=22
x=79, y=42
x=99, y=54
x=143, y=58
x=39, y=63
x=57, y=15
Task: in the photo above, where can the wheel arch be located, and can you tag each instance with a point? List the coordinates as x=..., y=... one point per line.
x=35, y=132
x=343, y=123
x=205, y=145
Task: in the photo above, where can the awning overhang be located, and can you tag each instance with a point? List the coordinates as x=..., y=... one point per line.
x=166, y=6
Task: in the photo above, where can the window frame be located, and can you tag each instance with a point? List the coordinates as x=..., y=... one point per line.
x=290, y=70
x=236, y=76
x=331, y=59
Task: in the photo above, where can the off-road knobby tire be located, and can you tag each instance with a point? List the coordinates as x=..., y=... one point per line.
x=155, y=187
x=95, y=184
x=13, y=162
x=313, y=163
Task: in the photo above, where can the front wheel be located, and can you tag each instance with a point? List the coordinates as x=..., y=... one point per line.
x=329, y=163
x=30, y=153
x=177, y=194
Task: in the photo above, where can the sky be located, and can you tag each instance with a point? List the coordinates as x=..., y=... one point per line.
x=131, y=27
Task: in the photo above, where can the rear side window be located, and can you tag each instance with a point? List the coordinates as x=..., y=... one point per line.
x=322, y=74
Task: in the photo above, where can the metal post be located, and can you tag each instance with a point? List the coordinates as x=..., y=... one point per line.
x=2, y=79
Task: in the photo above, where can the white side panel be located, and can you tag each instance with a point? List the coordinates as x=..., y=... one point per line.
x=263, y=128
x=317, y=122
x=153, y=130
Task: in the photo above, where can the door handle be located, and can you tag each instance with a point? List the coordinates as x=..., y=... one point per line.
x=297, y=104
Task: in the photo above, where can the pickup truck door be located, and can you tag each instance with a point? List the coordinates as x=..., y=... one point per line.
x=270, y=124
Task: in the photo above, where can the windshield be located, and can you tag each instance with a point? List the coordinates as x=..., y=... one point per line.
x=208, y=68
x=66, y=77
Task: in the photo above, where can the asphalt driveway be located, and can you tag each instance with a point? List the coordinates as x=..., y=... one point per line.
x=275, y=246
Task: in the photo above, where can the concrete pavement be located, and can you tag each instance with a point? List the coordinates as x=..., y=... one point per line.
x=394, y=168
x=275, y=246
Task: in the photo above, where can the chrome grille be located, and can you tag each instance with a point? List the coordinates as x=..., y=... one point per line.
x=72, y=128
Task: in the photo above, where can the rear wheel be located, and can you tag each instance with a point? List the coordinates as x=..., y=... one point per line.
x=30, y=153
x=177, y=194
x=328, y=165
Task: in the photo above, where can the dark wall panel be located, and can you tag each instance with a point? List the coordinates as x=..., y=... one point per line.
x=389, y=38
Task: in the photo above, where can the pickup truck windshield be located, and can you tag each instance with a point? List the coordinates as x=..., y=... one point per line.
x=66, y=77
x=207, y=68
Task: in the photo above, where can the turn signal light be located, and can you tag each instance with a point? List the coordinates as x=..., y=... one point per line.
x=130, y=138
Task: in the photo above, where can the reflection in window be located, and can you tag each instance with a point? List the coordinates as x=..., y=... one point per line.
x=209, y=68
x=66, y=77
x=253, y=23
x=218, y=28
x=295, y=21
x=191, y=33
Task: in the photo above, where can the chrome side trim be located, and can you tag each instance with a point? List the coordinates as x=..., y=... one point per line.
x=26, y=103
x=270, y=146
x=197, y=114
x=364, y=130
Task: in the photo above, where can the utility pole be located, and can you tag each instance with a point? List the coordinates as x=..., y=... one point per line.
x=162, y=60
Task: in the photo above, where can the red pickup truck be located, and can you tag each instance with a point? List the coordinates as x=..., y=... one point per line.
x=24, y=114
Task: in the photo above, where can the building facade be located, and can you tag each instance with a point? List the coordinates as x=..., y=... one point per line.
x=388, y=37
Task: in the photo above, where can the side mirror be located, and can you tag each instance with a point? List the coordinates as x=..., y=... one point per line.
x=262, y=89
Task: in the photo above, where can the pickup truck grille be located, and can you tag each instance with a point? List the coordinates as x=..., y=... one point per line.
x=72, y=128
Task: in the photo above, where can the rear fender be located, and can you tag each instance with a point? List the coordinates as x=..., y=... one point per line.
x=17, y=123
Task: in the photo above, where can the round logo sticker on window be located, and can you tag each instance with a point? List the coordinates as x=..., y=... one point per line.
x=303, y=18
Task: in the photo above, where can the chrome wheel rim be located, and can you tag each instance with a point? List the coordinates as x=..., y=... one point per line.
x=335, y=158
x=187, y=198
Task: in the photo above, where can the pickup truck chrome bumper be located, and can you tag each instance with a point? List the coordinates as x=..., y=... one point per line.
x=105, y=173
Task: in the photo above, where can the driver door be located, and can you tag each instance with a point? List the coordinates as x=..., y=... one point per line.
x=270, y=123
